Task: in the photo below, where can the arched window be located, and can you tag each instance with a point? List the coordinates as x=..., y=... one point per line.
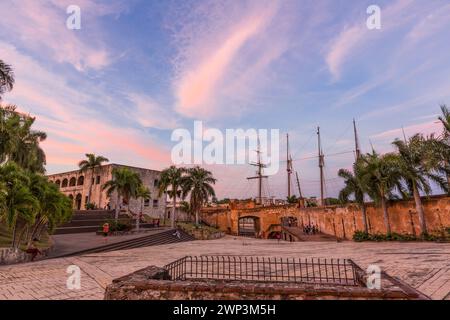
x=72, y=182
x=80, y=181
x=64, y=183
x=58, y=182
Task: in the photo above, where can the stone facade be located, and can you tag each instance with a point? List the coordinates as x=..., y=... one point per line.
x=339, y=221
x=76, y=185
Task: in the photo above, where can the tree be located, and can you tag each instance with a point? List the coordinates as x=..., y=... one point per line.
x=198, y=184
x=171, y=181
x=143, y=193
x=418, y=166
x=91, y=164
x=20, y=206
x=445, y=120
x=292, y=199
x=381, y=175
x=354, y=187
x=125, y=183
x=54, y=209
x=18, y=142
x=6, y=78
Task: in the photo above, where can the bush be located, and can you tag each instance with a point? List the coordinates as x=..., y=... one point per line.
x=119, y=226
x=90, y=206
x=360, y=236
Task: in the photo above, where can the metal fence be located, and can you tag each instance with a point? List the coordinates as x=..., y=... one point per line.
x=266, y=269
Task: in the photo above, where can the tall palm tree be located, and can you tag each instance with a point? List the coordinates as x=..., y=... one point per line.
x=198, y=184
x=143, y=193
x=125, y=183
x=91, y=164
x=445, y=120
x=354, y=186
x=19, y=142
x=171, y=181
x=418, y=167
x=380, y=177
x=6, y=78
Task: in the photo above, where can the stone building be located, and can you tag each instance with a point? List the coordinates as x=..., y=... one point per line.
x=76, y=184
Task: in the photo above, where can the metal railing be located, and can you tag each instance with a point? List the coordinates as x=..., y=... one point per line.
x=266, y=269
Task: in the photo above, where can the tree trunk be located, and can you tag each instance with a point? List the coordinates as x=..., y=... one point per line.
x=90, y=186
x=385, y=215
x=420, y=211
x=139, y=215
x=172, y=223
x=14, y=236
x=364, y=217
x=196, y=216
x=116, y=216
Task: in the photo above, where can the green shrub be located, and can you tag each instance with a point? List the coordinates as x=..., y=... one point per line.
x=360, y=236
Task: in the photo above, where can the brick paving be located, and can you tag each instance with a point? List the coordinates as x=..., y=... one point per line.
x=425, y=266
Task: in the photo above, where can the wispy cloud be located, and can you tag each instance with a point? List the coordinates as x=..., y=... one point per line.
x=41, y=26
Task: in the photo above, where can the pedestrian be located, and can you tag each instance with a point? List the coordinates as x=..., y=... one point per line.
x=33, y=250
x=105, y=229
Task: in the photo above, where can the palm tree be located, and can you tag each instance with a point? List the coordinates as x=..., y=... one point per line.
x=144, y=194
x=171, y=181
x=91, y=164
x=125, y=183
x=198, y=183
x=18, y=142
x=445, y=120
x=6, y=78
x=20, y=205
x=354, y=186
x=418, y=167
x=55, y=208
x=292, y=199
x=380, y=176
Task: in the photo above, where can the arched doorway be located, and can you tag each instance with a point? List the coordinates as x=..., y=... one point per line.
x=78, y=201
x=249, y=226
x=72, y=182
x=71, y=199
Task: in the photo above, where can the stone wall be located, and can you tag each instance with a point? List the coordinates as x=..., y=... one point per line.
x=154, y=283
x=341, y=221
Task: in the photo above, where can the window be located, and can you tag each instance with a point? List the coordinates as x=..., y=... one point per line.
x=64, y=183
x=155, y=203
x=80, y=181
x=92, y=181
x=146, y=202
x=98, y=180
x=72, y=182
x=156, y=183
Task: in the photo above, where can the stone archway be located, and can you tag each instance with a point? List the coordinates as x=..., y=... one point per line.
x=78, y=200
x=249, y=226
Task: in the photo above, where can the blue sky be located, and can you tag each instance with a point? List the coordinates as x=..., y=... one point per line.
x=139, y=69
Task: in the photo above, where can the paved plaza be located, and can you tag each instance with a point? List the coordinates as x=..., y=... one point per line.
x=425, y=266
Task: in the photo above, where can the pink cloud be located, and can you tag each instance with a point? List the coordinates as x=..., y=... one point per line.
x=213, y=63
x=41, y=27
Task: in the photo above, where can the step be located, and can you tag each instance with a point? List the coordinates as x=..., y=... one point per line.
x=165, y=237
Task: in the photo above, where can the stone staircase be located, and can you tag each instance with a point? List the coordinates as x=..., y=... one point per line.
x=298, y=234
x=158, y=238
x=85, y=221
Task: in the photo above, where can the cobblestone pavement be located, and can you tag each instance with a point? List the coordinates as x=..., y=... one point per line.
x=425, y=266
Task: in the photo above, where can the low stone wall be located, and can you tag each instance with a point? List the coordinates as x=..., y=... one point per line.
x=154, y=283
x=9, y=256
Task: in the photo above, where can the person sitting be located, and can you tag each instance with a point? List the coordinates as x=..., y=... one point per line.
x=33, y=250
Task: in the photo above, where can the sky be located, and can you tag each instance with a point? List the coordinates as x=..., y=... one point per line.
x=137, y=70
